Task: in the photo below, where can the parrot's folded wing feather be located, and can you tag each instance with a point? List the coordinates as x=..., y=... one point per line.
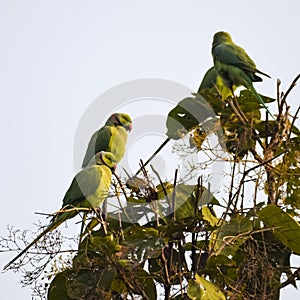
x=98, y=142
x=83, y=185
x=234, y=55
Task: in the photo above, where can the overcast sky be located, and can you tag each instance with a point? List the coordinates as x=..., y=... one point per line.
x=57, y=57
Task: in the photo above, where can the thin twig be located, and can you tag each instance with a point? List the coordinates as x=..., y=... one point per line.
x=291, y=86
x=124, y=193
x=278, y=92
x=293, y=121
x=153, y=155
x=291, y=278
x=194, y=235
x=162, y=185
x=252, y=169
x=174, y=195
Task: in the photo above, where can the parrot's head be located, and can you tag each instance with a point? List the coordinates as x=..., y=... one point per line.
x=221, y=37
x=104, y=158
x=120, y=119
x=107, y=159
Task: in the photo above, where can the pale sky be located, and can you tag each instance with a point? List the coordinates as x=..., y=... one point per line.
x=57, y=57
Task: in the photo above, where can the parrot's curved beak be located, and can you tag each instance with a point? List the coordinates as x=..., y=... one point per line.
x=129, y=127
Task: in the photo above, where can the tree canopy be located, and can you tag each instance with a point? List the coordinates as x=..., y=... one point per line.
x=173, y=240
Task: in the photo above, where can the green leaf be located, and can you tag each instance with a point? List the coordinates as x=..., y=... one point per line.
x=185, y=200
x=285, y=228
x=201, y=289
x=118, y=286
x=81, y=284
x=58, y=289
x=200, y=244
x=139, y=200
x=267, y=99
x=246, y=96
x=137, y=232
x=214, y=100
x=142, y=242
x=221, y=269
x=208, y=216
x=186, y=115
x=295, y=130
x=88, y=284
x=294, y=198
x=266, y=129
x=106, y=279
x=231, y=236
x=146, y=283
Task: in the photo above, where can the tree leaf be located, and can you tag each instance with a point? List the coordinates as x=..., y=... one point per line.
x=201, y=289
x=58, y=288
x=208, y=216
x=231, y=236
x=188, y=113
x=142, y=242
x=185, y=200
x=286, y=229
x=146, y=283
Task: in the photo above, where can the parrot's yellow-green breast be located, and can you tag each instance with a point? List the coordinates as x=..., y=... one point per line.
x=103, y=174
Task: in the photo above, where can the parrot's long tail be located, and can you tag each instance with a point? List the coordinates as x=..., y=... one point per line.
x=262, y=102
x=82, y=228
x=258, y=97
x=51, y=227
x=59, y=219
x=262, y=73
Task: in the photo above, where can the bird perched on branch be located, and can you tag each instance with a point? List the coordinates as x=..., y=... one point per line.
x=111, y=138
x=88, y=189
x=235, y=66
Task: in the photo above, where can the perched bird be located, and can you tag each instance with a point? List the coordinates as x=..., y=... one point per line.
x=214, y=83
x=234, y=65
x=111, y=138
x=88, y=189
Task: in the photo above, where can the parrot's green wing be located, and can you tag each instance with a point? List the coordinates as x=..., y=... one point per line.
x=117, y=142
x=232, y=54
x=110, y=139
x=98, y=142
x=88, y=189
x=83, y=185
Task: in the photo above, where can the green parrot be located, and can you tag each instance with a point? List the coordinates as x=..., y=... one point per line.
x=88, y=189
x=235, y=66
x=214, y=83
x=111, y=138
